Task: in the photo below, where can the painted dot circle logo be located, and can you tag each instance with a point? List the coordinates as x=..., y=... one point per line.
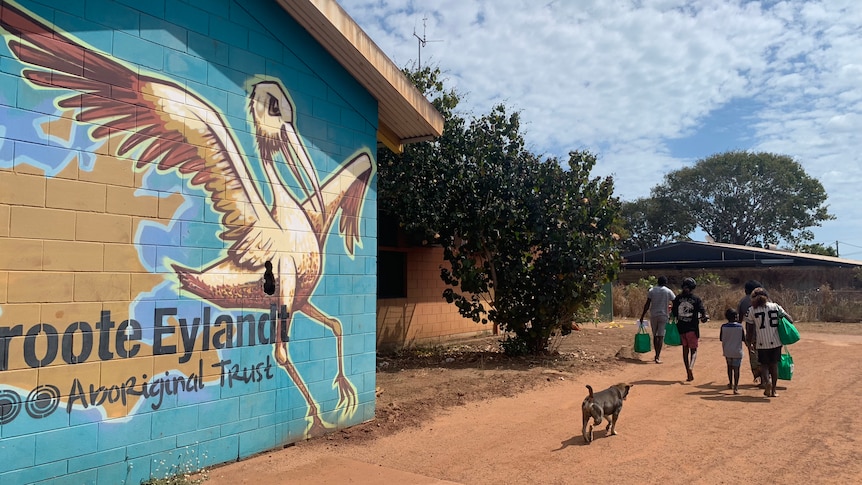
x=10, y=406
x=43, y=401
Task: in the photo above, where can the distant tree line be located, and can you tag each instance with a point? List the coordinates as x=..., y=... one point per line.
x=736, y=197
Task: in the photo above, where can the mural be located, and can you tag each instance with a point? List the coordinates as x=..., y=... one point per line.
x=201, y=301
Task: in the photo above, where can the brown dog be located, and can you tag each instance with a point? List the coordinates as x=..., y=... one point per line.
x=606, y=404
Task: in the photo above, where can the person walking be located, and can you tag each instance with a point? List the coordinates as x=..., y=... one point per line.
x=764, y=316
x=658, y=301
x=689, y=312
x=742, y=309
x=732, y=336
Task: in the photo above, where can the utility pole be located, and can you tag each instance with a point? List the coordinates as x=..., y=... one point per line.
x=837, y=254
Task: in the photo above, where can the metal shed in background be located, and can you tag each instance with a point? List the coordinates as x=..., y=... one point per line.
x=693, y=254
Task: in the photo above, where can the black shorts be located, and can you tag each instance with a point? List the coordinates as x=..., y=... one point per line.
x=769, y=356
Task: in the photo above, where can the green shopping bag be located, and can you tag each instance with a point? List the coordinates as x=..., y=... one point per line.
x=787, y=332
x=671, y=334
x=642, y=341
x=785, y=365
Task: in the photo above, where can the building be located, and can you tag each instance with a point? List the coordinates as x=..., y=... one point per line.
x=410, y=307
x=694, y=254
x=737, y=264
x=188, y=230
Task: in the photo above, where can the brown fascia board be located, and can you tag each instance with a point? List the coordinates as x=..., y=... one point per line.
x=404, y=114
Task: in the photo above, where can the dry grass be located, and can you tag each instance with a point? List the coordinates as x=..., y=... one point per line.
x=807, y=296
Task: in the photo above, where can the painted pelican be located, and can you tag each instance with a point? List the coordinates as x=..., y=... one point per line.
x=166, y=127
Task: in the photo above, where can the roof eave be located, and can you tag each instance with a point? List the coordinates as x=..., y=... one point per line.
x=404, y=114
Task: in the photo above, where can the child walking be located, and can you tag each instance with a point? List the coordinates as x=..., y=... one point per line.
x=732, y=335
x=689, y=312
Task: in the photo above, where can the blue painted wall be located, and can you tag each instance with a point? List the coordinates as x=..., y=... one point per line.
x=135, y=340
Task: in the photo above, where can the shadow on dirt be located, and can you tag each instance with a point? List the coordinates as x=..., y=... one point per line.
x=719, y=392
x=738, y=397
x=484, y=357
x=573, y=441
x=632, y=360
x=652, y=382
x=455, y=359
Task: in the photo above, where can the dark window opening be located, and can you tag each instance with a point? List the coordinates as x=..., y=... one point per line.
x=388, y=232
x=391, y=274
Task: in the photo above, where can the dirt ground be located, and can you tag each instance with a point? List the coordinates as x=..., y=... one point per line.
x=468, y=414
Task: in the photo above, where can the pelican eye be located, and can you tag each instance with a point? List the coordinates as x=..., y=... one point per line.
x=274, y=110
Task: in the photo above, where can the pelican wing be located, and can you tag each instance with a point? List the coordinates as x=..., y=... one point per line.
x=160, y=120
x=345, y=190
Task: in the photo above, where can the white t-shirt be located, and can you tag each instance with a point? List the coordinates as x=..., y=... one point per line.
x=659, y=297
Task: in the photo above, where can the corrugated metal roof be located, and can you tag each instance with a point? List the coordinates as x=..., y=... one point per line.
x=405, y=115
x=704, y=254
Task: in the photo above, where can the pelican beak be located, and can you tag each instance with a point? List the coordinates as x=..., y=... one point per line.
x=297, y=158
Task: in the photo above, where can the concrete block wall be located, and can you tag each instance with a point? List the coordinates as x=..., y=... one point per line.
x=112, y=368
x=423, y=317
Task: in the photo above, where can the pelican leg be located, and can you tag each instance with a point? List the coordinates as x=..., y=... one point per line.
x=282, y=330
x=347, y=400
x=317, y=428
x=286, y=280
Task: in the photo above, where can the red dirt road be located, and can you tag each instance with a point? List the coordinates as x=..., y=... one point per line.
x=670, y=431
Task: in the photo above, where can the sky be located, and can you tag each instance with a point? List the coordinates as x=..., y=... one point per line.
x=652, y=86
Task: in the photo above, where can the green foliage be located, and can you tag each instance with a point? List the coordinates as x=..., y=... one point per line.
x=514, y=346
x=651, y=222
x=710, y=279
x=419, y=184
x=647, y=283
x=816, y=248
x=588, y=313
x=528, y=242
x=747, y=198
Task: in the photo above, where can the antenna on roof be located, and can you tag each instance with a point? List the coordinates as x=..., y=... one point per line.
x=422, y=40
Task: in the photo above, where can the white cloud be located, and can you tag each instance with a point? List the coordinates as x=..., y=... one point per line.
x=626, y=78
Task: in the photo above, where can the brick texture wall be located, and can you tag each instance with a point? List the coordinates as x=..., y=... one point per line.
x=111, y=369
x=423, y=317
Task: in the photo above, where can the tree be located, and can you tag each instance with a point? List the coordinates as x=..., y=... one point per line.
x=748, y=198
x=652, y=221
x=528, y=243
x=416, y=183
x=817, y=248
